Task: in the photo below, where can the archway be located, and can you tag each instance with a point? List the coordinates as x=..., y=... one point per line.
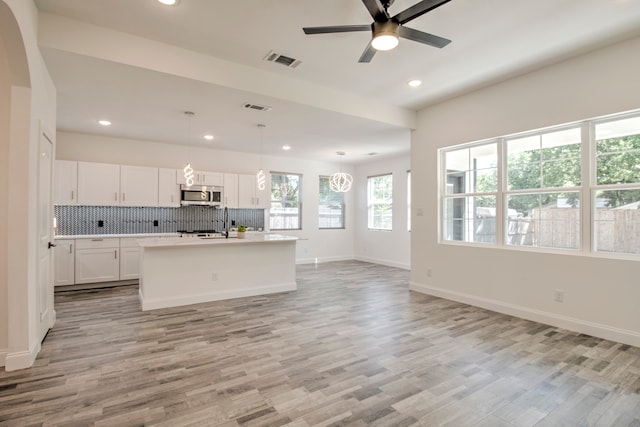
x=15, y=116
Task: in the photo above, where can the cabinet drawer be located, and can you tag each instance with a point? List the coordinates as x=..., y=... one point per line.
x=97, y=243
x=129, y=242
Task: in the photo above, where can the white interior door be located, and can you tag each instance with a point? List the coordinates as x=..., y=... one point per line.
x=45, y=236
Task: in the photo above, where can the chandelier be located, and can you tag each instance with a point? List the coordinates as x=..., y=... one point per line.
x=188, y=170
x=340, y=182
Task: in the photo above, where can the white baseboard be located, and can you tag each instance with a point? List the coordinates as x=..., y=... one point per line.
x=21, y=359
x=323, y=259
x=153, y=304
x=384, y=262
x=576, y=325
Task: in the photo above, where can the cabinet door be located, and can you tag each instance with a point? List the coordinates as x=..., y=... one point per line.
x=129, y=263
x=180, y=179
x=263, y=197
x=230, y=191
x=211, y=178
x=138, y=186
x=97, y=265
x=98, y=184
x=246, y=191
x=65, y=182
x=168, y=190
x=64, y=262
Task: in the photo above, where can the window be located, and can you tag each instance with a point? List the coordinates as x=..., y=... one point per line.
x=543, y=189
x=617, y=189
x=536, y=189
x=408, y=200
x=469, y=204
x=380, y=202
x=286, y=202
x=330, y=206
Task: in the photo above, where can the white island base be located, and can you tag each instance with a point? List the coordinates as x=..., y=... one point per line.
x=182, y=271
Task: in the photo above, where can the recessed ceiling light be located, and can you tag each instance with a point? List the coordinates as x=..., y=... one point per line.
x=104, y=122
x=286, y=147
x=208, y=137
x=169, y=2
x=414, y=83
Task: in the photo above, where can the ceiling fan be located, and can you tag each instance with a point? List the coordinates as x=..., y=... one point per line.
x=386, y=29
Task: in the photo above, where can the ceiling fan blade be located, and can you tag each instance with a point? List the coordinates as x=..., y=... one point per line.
x=422, y=37
x=376, y=10
x=368, y=53
x=418, y=9
x=336, y=29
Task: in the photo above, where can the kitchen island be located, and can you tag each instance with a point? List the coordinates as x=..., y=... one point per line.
x=181, y=271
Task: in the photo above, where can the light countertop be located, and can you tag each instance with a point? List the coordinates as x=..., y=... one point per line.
x=251, y=238
x=112, y=236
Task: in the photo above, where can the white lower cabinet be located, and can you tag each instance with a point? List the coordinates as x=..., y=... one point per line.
x=129, y=258
x=64, y=256
x=97, y=260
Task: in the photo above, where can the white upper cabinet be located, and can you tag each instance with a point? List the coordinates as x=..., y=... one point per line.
x=249, y=197
x=230, y=192
x=202, y=178
x=168, y=190
x=98, y=184
x=65, y=182
x=263, y=197
x=138, y=186
x=212, y=178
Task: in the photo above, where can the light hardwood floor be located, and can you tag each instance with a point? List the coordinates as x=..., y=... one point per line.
x=353, y=346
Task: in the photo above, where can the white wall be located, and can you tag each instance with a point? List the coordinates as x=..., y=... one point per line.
x=601, y=294
x=32, y=101
x=5, y=103
x=325, y=245
x=384, y=247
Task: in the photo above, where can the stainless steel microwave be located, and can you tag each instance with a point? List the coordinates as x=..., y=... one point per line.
x=200, y=195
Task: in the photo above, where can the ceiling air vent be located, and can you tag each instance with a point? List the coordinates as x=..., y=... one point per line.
x=257, y=107
x=282, y=59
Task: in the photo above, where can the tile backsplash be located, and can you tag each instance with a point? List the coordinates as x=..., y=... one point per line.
x=88, y=220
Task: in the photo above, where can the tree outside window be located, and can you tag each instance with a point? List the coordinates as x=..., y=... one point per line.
x=286, y=204
x=380, y=202
x=331, y=207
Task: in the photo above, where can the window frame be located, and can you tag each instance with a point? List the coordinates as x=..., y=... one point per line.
x=299, y=201
x=587, y=191
x=343, y=205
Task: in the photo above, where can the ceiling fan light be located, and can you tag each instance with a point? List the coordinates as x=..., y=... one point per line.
x=384, y=42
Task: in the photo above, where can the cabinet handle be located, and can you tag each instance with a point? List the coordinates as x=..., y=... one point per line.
x=123, y=197
x=97, y=240
x=172, y=198
x=116, y=196
x=71, y=248
x=115, y=254
x=257, y=201
x=73, y=194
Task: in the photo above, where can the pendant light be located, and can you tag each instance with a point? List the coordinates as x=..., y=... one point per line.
x=340, y=182
x=261, y=179
x=188, y=170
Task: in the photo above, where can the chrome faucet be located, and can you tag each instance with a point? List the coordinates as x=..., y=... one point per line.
x=226, y=222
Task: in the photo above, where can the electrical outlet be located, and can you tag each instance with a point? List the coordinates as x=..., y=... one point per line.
x=428, y=272
x=214, y=277
x=558, y=295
